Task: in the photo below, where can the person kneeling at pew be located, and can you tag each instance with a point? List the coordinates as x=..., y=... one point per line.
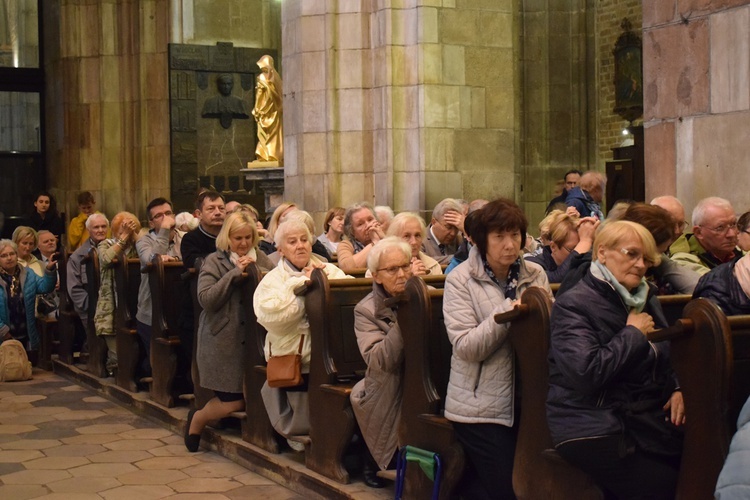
x=613, y=402
x=376, y=399
x=481, y=400
x=221, y=333
x=282, y=313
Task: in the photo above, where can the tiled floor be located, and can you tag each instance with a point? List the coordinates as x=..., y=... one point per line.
x=62, y=441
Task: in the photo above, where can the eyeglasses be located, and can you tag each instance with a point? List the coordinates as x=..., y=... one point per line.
x=161, y=215
x=682, y=225
x=393, y=270
x=636, y=255
x=722, y=229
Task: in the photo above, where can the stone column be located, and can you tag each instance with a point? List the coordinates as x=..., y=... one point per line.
x=399, y=103
x=696, y=70
x=107, y=102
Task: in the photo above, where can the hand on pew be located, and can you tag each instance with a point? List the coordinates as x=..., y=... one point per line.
x=677, y=407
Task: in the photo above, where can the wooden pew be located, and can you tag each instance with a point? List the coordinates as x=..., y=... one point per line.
x=256, y=427
x=201, y=395
x=97, y=346
x=127, y=283
x=673, y=305
x=67, y=317
x=335, y=366
x=166, y=299
x=538, y=472
x=427, y=352
x=703, y=356
x=48, y=332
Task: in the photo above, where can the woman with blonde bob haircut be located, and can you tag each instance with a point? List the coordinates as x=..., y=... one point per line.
x=603, y=369
x=565, y=237
x=221, y=333
x=411, y=228
x=27, y=239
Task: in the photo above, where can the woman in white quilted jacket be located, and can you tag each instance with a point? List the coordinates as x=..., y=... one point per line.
x=480, y=399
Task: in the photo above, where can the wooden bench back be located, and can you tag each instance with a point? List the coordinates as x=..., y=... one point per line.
x=66, y=313
x=427, y=353
x=330, y=311
x=536, y=472
x=167, y=296
x=97, y=354
x=701, y=355
x=127, y=283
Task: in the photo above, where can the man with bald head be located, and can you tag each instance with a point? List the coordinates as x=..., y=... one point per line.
x=714, y=237
x=587, y=196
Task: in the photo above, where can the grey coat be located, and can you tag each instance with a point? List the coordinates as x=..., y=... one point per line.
x=77, y=281
x=221, y=331
x=376, y=399
x=431, y=247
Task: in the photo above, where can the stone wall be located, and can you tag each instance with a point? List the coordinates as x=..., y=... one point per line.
x=609, y=16
x=107, y=102
x=559, y=98
x=697, y=99
x=399, y=103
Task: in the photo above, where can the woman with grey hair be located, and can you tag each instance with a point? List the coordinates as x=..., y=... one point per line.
x=376, y=399
x=18, y=290
x=362, y=231
x=282, y=314
x=411, y=228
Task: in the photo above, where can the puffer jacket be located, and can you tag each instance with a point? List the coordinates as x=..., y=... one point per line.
x=721, y=287
x=582, y=201
x=481, y=385
x=282, y=313
x=596, y=361
x=31, y=286
x=734, y=481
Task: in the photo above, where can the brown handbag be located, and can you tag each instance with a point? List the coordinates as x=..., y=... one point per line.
x=285, y=371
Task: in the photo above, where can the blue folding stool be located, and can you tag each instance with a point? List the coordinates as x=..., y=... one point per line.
x=428, y=461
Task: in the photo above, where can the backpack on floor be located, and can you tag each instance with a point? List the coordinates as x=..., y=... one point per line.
x=14, y=363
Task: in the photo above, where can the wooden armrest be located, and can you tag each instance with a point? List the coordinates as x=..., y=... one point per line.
x=260, y=369
x=435, y=420
x=680, y=327
x=171, y=341
x=302, y=289
x=389, y=474
x=341, y=390
x=517, y=312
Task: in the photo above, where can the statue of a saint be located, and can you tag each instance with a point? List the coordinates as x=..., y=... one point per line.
x=268, y=113
x=225, y=106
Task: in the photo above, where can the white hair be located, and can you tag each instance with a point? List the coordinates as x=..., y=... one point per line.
x=89, y=221
x=699, y=212
x=381, y=247
x=288, y=226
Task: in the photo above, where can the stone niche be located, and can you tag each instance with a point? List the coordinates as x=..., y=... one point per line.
x=210, y=148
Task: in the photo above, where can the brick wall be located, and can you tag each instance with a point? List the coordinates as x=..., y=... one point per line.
x=609, y=15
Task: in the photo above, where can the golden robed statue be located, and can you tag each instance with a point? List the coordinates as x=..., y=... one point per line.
x=268, y=113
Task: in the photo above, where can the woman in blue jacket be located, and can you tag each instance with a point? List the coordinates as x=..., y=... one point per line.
x=19, y=287
x=601, y=361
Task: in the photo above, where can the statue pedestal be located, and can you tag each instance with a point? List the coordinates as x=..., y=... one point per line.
x=270, y=180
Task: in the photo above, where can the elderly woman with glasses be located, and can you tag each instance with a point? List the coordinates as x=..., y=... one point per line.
x=376, y=399
x=19, y=287
x=564, y=238
x=480, y=399
x=362, y=231
x=602, y=368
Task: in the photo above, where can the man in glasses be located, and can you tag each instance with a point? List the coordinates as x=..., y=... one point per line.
x=442, y=235
x=162, y=239
x=714, y=237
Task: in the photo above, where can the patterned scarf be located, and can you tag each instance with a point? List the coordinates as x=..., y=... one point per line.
x=511, y=281
x=16, y=306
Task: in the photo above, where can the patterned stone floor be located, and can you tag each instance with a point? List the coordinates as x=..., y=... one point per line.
x=62, y=441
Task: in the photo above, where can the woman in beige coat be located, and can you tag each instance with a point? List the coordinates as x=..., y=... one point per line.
x=376, y=399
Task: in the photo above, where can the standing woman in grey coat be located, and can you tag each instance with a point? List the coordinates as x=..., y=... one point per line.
x=376, y=399
x=220, y=331
x=480, y=400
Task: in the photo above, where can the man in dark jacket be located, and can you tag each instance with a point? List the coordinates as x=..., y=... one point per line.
x=571, y=179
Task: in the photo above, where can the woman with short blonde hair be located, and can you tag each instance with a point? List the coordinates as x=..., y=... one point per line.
x=412, y=229
x=26, y=240
x=602, y=367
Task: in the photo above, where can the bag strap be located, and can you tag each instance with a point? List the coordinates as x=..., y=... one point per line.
x=299, y=349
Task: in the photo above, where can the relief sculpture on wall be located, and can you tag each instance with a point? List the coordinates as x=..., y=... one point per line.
x=225, y=106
